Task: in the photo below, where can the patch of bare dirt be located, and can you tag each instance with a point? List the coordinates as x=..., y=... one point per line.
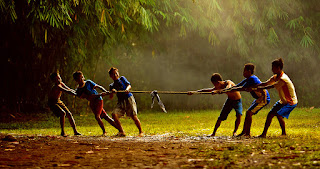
x=160, y=151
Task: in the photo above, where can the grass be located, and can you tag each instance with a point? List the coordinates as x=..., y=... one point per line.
x=301, y=149
x=303, y=123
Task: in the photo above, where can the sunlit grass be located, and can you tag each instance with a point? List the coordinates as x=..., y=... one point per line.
x=302, y=123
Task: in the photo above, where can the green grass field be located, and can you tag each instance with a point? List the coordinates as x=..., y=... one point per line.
x=303, y=123
x=300, y=149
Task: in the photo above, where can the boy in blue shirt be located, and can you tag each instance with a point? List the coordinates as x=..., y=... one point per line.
x=262, y=97
x=87, y=89
x=126, y=102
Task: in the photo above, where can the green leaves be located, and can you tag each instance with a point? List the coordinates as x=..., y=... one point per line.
x=299, y=26
x=306, y=41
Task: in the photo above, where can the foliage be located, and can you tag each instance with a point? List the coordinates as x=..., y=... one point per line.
x=42, y=36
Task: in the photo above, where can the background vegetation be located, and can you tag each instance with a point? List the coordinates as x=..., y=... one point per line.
x=163, y=45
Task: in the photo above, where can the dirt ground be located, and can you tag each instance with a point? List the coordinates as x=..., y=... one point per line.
x=160, y=151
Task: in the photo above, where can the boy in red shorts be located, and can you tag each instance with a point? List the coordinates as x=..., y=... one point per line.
x=87, y=89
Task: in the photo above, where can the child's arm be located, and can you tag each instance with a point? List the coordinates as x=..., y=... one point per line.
x=229, y=87
x=127, y=90
x=101, y=88
x=65, y=86
x=67, y=90
x=201, y=90
x=265, y=85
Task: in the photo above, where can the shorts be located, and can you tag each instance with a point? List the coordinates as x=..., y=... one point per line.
x=127, y=106
x=283, y=110
x=256, y=107
x=58, y=107
x=228, y=106
x=96, y=106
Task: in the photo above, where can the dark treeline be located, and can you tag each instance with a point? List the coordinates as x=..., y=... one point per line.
x=158, y=45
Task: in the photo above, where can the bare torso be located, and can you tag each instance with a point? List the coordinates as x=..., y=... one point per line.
x=233, y=95
x=55, y=92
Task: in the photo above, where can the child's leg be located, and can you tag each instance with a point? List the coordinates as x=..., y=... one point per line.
x=62, y=120
x=282, y=124
x=57, y=109
x=105, y=116
x=216, y=127
x=132, y=111
x=267, y=124
x=248, y=122
x=273, y=112
x=116, y=119
x=96, y=107
x=226, y=109
x=237, y=123
x=237, y=105
x=137, y=122
x=71, y=120
x=284, y=112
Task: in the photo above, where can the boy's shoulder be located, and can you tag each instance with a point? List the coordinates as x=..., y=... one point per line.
x=228, y=81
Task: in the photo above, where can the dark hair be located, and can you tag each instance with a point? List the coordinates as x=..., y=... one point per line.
x=216, y=77
x=278, y=63
x=54, y=75
x=250, y=67
x=77, y=74
x=112, y=69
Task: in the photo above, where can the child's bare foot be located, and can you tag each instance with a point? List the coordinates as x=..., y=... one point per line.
x=262, y=136
x=77, y=134
x=241, y=134
x=212, y=135
x=120, y=134
x=141, y=134
x=104, y=134
x=63, y=134
x=283, y=136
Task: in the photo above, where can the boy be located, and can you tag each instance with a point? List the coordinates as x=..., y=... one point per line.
x=57, y=106
x=233, y=101
x=288, y=98
x=262, y=97
x=87, y=89
x=126, y=102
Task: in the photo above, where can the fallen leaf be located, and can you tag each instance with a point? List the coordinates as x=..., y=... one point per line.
x=8, y=149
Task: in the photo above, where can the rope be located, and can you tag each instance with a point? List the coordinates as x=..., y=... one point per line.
x=164, y=92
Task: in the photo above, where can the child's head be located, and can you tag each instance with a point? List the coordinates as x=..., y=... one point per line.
x=248, y=70
x=55, y=77
x=277, y=66
x=215, y=78
x=114, y=73
x=78, y=76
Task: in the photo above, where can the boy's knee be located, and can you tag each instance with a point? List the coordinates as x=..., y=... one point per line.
x=62, y=114
x=222, y=118
x=97, y=116
x=249, y=113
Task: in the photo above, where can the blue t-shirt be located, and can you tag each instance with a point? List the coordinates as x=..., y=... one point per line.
x=88, y=89
x=252, y=81
x=121, y=84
